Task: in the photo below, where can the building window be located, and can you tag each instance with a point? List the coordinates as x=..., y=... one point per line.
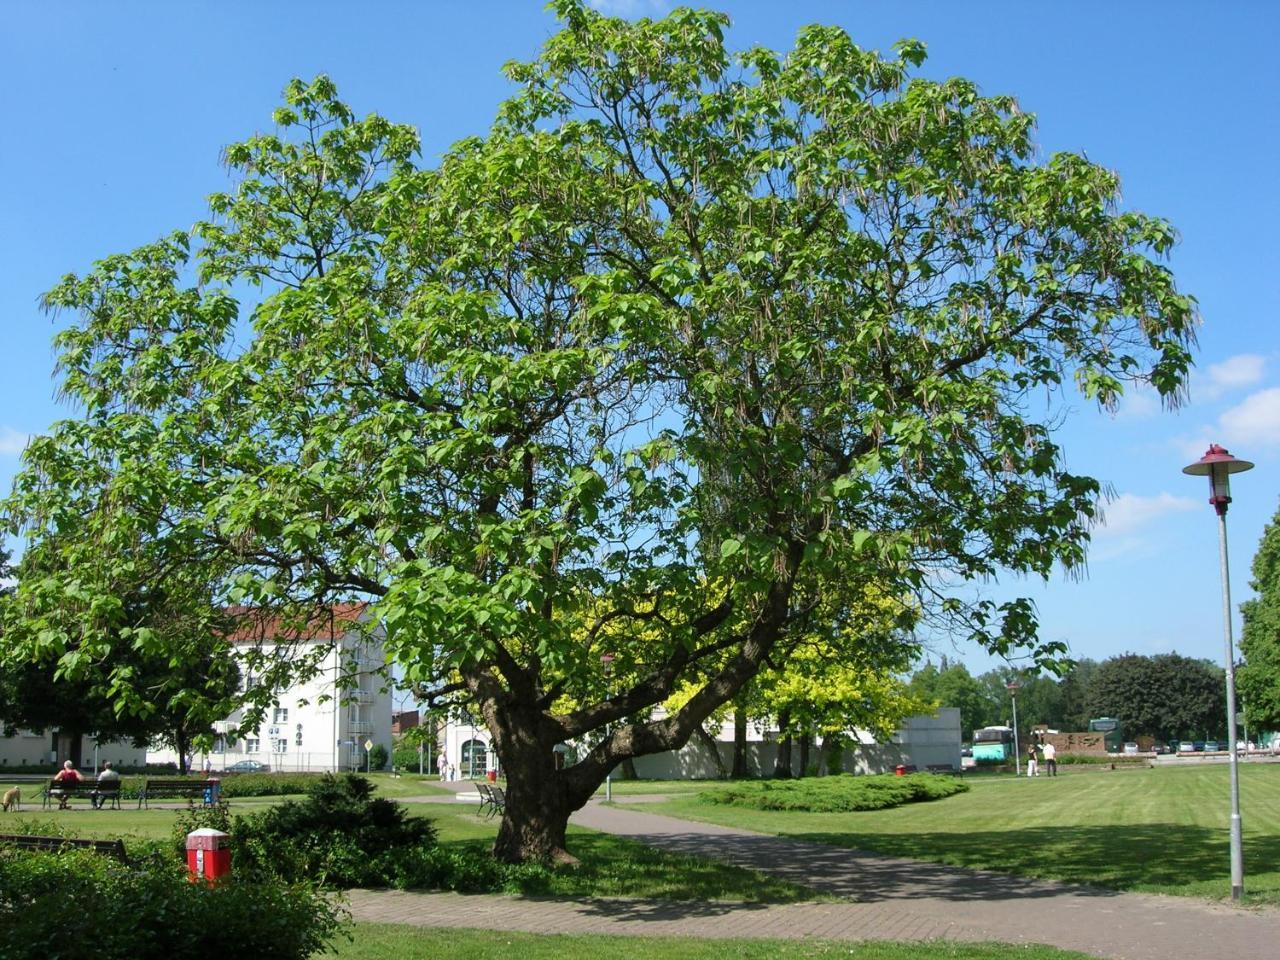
x=282, y=746
x=251, y=745
x=281, y=715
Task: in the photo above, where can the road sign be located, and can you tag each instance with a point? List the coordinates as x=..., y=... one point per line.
x=368, y=744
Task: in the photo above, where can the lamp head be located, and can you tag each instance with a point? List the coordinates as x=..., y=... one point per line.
x=1218, y=464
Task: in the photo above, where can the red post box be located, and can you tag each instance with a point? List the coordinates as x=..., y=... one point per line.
x=208, y=855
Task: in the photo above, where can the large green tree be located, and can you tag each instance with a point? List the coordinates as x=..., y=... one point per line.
x=1167, y=696
x=1259, y=676
x=691, y=341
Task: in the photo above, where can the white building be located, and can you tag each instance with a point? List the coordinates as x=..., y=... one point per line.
x=48, y=748
x=321, y=724
x=921, y=741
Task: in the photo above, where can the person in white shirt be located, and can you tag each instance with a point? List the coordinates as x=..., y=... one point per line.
x=1050, y=759
x=106, y=777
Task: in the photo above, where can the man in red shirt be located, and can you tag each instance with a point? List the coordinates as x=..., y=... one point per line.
x=68, y=774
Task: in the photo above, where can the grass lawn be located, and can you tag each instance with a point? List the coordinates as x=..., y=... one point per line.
x=618, y=867
x=376, y=942
x=1154, y=829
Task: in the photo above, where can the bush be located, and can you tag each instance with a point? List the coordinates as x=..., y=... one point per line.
x=148, y=910
x=378, y=757
x=836, y=794
x=340, y=835
x=268, y=784
x=406, y=758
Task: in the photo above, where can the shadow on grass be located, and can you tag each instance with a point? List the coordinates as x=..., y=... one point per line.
x=1015, y=864
x=1119, y=857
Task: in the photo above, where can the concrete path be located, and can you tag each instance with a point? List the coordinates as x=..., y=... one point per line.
x=883, y=898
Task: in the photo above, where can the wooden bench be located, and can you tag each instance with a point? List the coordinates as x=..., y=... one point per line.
x=207, y=790
x=110, y=848
x=65, y=790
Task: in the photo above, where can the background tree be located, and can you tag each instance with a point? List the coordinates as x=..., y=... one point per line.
x=1166, y=696
x=1074, y=692
x=683, y=317
x=1259, y=676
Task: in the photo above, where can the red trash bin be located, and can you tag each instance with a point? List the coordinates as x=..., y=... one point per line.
x=208, y=855
x=900, y=770
x=491, y=776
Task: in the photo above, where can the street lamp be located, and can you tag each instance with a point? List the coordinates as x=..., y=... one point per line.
x=1218, y=465
x=1012, y=687
x=606, y=664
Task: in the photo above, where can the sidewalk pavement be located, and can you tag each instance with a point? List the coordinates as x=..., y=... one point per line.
x=883, y=898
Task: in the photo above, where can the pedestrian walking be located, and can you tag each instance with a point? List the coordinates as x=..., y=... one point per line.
x=1031, y=761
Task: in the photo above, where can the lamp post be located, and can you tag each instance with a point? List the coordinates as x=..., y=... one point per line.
x=1218, y=465
x=1012, y=687
x=606, y=664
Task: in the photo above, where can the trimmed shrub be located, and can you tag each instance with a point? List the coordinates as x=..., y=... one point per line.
x=378, y=757
x=148, y=910
x=268, y=784
x=835, y=794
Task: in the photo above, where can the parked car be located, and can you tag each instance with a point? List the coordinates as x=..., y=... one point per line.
x=1211, y=746
x=248, y=766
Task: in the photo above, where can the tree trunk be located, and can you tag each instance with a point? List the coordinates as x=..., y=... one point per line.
x=537, y=810
x=709, y=742
x=628, y=769
x=740, y=743
x=782, y=766
x=180, y=744
x=806, y=741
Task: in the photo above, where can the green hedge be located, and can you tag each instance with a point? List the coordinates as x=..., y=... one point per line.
x=148, y=910
x=835, y=794
x=268, y=784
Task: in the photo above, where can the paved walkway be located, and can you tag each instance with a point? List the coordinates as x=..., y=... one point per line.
x=883, y=898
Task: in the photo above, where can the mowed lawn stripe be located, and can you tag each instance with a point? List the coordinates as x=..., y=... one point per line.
x=1159, y=830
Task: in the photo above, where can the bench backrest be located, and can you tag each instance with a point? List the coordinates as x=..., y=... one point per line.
x=110, y=848
x=194, y=786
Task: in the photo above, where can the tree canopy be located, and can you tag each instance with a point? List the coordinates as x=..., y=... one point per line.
x=1166, y=696
x=691, y=343
x=1259, y=676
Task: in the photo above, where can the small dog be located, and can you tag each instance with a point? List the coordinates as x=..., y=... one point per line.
x=13, y=799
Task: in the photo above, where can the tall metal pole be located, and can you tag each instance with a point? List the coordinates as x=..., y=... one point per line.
x=1237, y=850
x=1017, y=752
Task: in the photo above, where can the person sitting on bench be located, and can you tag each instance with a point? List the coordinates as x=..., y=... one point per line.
x=107, y=777
x=68, y=774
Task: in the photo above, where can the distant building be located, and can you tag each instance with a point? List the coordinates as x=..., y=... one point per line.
x=48, y=748
x=922, y=741
x=403, y=722
x=322, y=724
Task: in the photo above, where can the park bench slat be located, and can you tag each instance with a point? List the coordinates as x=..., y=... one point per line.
x=153, y=789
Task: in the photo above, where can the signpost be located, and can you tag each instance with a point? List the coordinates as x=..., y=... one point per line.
x=368, y=760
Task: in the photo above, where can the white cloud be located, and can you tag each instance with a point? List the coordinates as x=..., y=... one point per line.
x=1253, y=423
x=1138, y=404
x=12, y=442
x=1129, y=513
x=1234, y=373
x=1242, y=370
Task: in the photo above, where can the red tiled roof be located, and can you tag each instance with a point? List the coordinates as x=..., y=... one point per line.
x=259, y=624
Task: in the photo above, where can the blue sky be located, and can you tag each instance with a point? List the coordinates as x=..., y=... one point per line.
x=115, y=115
